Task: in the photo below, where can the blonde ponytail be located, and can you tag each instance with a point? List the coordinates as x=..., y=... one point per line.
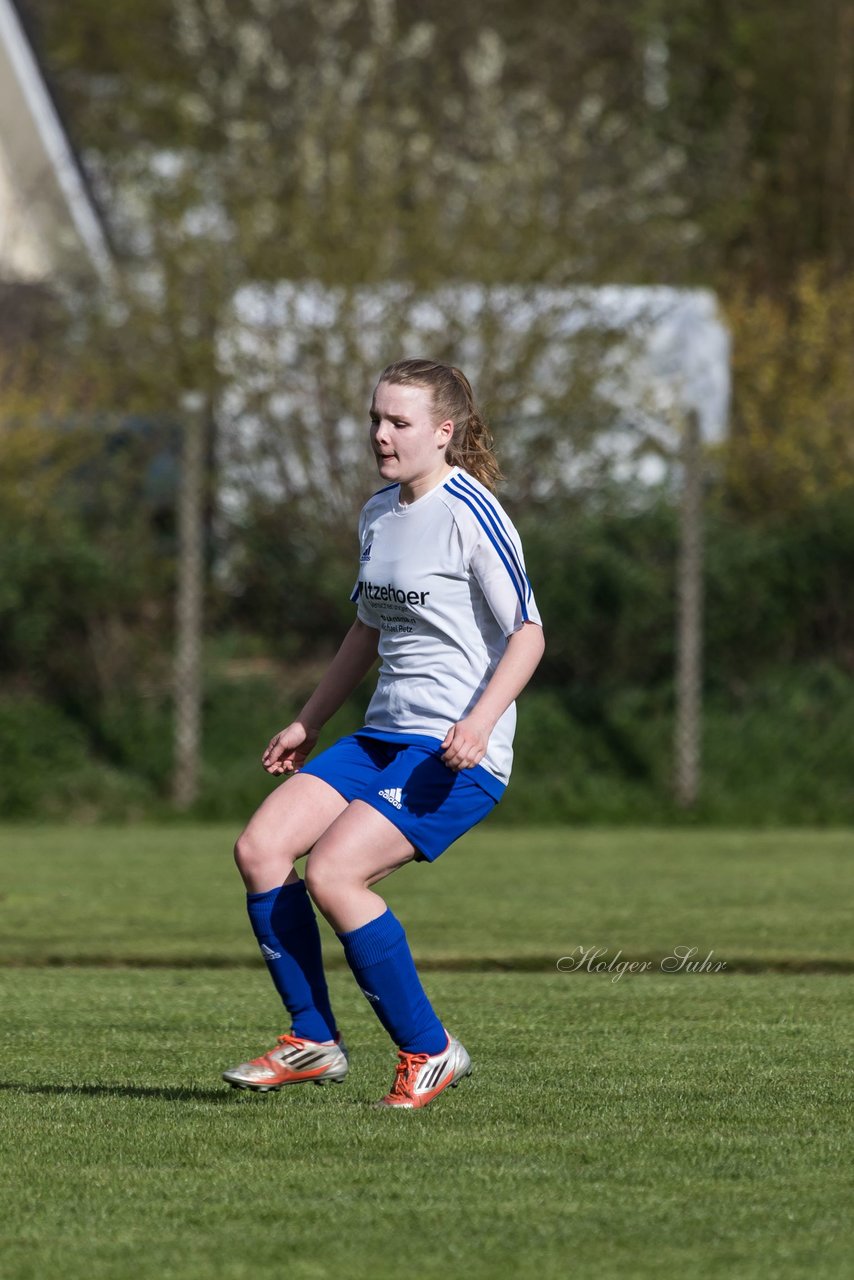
x=471, y=445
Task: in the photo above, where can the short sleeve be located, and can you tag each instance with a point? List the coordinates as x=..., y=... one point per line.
x=356, y=593
x=493, y=553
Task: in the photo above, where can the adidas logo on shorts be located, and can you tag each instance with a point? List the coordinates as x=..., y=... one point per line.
x=394, y=796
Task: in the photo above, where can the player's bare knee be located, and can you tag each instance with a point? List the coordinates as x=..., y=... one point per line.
x=250, y=855
x=315, y=881
x=326, y=883
x=241, y=852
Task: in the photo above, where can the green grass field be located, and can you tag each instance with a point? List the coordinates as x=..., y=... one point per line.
x=639, y=1126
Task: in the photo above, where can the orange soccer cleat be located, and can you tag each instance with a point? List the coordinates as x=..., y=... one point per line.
x=293, y=1061
x=421, y=1077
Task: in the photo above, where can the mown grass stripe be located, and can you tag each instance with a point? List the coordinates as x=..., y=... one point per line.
x=634, y=1131
x=451, y=964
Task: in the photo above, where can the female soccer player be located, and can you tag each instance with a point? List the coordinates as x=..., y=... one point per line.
x=443, y=598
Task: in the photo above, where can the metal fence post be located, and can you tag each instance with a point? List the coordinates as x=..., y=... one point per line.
x=187, y=697
x=689, y=625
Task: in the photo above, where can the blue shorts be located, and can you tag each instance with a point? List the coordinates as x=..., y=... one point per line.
x=408, y=784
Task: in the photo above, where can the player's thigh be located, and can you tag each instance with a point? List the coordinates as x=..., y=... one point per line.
x=289, y=821
x=361, y=847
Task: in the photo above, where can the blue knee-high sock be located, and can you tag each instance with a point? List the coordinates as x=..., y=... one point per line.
x=285, y=925
x=382, y=964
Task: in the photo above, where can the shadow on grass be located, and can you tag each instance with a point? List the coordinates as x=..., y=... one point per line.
x=222, y=1097
x=188, y=1094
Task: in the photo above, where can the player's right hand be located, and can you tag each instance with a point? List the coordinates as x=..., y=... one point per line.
x=288, y=750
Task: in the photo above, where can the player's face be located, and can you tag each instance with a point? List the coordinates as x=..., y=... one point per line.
x=408, y=442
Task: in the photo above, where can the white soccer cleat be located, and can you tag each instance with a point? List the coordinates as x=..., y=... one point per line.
x=421, y=1077
x=295, y=1060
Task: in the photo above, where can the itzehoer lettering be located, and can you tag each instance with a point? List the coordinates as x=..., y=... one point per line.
x=389, y=592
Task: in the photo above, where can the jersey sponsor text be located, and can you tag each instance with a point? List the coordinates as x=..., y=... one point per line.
x=372, y=591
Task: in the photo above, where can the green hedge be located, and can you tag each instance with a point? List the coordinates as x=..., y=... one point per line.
x=90, y=646
x=49, y=772
x=778, y=752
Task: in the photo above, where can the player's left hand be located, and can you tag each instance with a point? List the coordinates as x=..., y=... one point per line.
x=464, y=745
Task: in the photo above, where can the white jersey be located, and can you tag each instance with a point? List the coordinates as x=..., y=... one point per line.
x=443, y=581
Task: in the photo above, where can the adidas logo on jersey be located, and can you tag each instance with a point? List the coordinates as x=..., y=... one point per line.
x=366, y=554
x=394, y=796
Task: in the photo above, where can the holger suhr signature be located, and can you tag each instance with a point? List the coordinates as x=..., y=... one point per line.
x=681, y=959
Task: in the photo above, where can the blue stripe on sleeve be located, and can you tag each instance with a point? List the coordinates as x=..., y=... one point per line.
x=478, y=516
x=459, y=483
x=357, y=591
x=495, y=519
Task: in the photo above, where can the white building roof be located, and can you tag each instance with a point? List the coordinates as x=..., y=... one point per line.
x=47, y=218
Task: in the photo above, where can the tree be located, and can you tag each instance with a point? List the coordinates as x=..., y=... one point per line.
x=793, y=366
x=364, y=140
x=83, y=567
x=761, y=97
